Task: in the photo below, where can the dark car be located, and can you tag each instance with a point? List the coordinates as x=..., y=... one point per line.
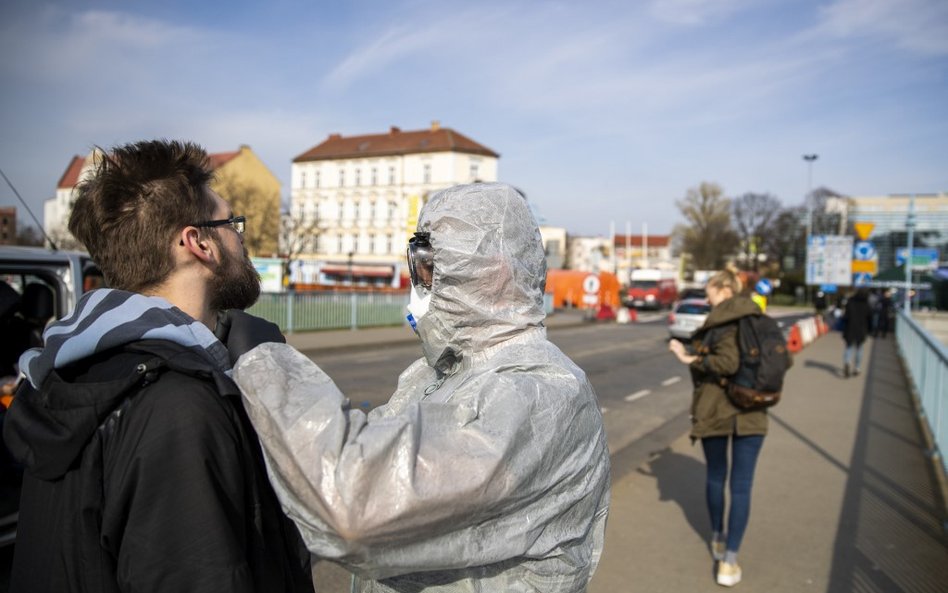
x=38, y=286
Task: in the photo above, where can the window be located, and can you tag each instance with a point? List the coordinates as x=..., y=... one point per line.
x=340, y=244
x=427, y=174
x=356, y=209
x=388, y=244
x=303, y=179
x=392, y=210
x=316, y=176
x=358, y=177
x=375, y=176
x=474, y=171
x=391, y=175
x=342, y=178
x=372, y=210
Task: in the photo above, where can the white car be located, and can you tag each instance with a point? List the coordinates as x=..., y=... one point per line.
x=687, y=316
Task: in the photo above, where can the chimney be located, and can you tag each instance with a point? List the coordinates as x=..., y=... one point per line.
x=435, y=125
x=394, y=130
x=335, y=136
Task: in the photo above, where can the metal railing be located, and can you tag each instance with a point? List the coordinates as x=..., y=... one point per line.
x=309, y=311
x=927, y=363
x=306, y=311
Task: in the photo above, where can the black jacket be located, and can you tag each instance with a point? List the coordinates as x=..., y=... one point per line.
x=858, y=316
x=143, y=474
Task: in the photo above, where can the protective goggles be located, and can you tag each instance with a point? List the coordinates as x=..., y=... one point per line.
x=420, y=260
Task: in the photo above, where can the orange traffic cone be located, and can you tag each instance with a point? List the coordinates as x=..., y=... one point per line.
x=794, y=341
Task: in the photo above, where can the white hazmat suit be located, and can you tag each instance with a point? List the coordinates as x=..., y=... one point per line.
x=488, y=469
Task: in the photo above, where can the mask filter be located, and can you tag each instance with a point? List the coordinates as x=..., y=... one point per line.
x=418, y=304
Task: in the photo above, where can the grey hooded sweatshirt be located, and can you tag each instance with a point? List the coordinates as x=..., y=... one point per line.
x=488, y=469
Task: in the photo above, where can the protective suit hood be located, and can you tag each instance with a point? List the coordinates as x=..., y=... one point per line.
x=489, y=271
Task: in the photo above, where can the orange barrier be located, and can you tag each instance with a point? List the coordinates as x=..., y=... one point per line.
x=794, y=341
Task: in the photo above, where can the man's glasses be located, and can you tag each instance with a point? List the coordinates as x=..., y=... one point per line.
x=238, y=222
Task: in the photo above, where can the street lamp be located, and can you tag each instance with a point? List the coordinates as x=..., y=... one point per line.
x=809, y=158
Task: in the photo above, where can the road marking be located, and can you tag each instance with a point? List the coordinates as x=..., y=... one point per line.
x=637, y=395
x=670, y=381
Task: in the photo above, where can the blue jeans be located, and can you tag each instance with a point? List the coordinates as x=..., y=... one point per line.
x=853, y=348
x=744, y=452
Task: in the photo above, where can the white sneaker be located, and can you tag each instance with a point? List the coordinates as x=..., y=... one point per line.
x=728, y=574
x=717, y=550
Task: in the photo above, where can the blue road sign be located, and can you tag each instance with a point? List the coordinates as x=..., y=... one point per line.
x=862, y=279
x=763, y=287
x=864, y=251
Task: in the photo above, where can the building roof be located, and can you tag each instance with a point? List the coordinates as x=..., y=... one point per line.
x=219, y=159
x=394, y=142
x=71, y=177
x=638, y=240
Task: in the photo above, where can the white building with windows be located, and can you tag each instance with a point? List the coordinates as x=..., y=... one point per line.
x=361, y=195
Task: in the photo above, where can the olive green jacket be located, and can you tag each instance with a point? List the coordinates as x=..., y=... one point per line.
x=715, y=344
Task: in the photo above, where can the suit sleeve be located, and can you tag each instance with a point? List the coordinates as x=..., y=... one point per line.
x=175, y=495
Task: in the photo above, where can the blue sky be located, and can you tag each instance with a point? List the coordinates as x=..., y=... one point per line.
x=601, y=111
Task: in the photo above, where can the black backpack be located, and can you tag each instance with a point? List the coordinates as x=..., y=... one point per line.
x=765, y=359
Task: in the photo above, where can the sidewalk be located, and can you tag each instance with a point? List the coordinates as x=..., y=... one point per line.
x=844, y=499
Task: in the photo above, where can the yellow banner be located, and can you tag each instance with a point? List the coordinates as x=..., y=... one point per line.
x=412, y=215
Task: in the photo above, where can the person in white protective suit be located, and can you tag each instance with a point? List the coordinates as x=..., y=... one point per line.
x=488, y=469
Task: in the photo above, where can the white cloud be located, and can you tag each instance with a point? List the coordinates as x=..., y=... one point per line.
x=695, y=12
x=916, y=25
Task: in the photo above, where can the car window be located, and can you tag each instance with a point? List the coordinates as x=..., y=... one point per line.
x=644, y=284
x=693, y=309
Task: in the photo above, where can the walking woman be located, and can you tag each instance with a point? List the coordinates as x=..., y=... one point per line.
x=856, y=322
x=714, y=354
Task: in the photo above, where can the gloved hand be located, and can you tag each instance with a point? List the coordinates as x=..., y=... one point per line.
x=241, y=332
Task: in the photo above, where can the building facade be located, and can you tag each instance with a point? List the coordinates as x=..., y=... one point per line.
x=252, y=190
x=7, y=226
x=358, y=199
x=889, y=217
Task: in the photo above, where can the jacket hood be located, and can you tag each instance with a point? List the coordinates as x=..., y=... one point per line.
x=93, y=360
x=489, y=271
x=730, y=310
x=105, y=319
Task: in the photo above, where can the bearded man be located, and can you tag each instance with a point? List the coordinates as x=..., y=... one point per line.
x=142, y=471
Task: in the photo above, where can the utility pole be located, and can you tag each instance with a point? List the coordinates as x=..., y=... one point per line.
x=809, y=158
x=910, y=225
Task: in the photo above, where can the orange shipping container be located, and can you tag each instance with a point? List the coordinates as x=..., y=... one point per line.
x=567, y=289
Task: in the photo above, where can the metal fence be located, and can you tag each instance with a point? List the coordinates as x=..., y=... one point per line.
x=927, y=362
x=308, y=311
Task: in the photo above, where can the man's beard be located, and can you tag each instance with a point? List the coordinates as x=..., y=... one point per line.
x=237, y=283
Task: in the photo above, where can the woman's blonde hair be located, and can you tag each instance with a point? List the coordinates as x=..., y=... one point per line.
x=727, y=278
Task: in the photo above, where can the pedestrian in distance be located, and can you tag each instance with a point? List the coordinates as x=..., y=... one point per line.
x=142, y=471
x=713, y=354
x=885, y=315
x=857, y=319
x=488, y=468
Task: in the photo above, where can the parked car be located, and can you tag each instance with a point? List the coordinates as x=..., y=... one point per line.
x=41, y=286
x=687, y=316
x=651, y=294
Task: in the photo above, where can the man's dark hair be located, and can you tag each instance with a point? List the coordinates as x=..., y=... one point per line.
x=139, y=197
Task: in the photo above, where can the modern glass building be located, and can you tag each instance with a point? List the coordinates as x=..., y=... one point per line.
x=890, y=214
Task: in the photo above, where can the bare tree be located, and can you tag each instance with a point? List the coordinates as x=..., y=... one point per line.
x=707, y=235
x=754, y=215
x=262, y=210
x=299, y=233
x=27, y=234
